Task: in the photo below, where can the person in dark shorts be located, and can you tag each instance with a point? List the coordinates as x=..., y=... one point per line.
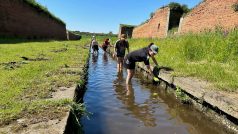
x=106, y=44
x=140, y=55
x=119, y=51
x=94, y=46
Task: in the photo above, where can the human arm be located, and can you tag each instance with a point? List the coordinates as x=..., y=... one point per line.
x=147, y=64
x=115, y=49
x=128, y=47
x=154, y=60
x=149, y=69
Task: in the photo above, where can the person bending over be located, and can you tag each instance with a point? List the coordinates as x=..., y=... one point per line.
x=141, y=55
x=106, y=44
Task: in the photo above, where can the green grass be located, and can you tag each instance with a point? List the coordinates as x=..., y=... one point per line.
x=26, y=84
x=41, y=8
x=208, y=56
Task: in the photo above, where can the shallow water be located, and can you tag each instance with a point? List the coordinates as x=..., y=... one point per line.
x=138, y=109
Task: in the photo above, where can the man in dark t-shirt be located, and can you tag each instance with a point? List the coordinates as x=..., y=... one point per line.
x=120, y=49
x=141, y=55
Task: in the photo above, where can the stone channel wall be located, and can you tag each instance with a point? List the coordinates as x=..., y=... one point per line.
x=20, y=19
x=156, y=27
x=209, y=15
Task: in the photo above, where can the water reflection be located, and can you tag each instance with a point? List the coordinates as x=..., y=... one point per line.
x=94, y=58
x=125, y=94
x=105, y=58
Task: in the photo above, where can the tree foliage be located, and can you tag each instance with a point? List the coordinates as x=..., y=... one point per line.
x=177, y=7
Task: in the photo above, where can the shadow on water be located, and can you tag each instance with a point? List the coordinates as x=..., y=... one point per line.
x=94, y=58
x=105, y=58
x=120, y=109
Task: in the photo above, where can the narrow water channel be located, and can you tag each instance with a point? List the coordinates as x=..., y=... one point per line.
x=138, y=109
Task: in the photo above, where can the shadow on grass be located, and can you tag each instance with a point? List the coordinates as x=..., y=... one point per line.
x=4, y=40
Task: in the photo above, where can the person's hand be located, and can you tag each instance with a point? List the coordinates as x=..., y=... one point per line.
x=157, y=66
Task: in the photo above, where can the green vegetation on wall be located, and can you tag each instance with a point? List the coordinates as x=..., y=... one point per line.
x=41, y=8
x=235, y=7
x=178, y=7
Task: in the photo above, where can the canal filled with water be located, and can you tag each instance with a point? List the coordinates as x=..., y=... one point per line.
x=138, y=109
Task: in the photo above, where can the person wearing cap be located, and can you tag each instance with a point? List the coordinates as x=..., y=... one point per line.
x=141, y=55
x=119, y=51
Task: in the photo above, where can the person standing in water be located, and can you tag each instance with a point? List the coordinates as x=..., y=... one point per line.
x=106, y=44
x=94, y=45
x=119, y=51
x=140, y=55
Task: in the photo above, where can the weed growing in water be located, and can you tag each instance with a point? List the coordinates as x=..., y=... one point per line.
x=182, y=96
x=78, y=109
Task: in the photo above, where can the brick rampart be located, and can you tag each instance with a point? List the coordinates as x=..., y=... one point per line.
x=209, y=15
x=157, y=26
x=19, y=19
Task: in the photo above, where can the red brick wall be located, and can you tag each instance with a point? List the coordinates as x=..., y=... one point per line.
x=18, y=19
x=209, y=15
x=151, y=28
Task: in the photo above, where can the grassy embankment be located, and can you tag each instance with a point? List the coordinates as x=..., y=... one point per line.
x=208, y=56
x=26, y=84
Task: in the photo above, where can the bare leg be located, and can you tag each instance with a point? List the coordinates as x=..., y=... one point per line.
x=130, y=74
x=118, y=67
x=119, y=64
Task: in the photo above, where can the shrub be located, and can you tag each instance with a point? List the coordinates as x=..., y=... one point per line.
x=235, y=7
x=177, y=7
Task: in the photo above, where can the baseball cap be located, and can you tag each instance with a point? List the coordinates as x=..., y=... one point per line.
x=154, y=48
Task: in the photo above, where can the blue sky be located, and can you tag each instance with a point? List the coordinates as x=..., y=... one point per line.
x=105, y=15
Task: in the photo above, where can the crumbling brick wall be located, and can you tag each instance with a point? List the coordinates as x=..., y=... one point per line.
x=209, y=15
x=126, y=29
x=157, y=26
x=19, y=19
